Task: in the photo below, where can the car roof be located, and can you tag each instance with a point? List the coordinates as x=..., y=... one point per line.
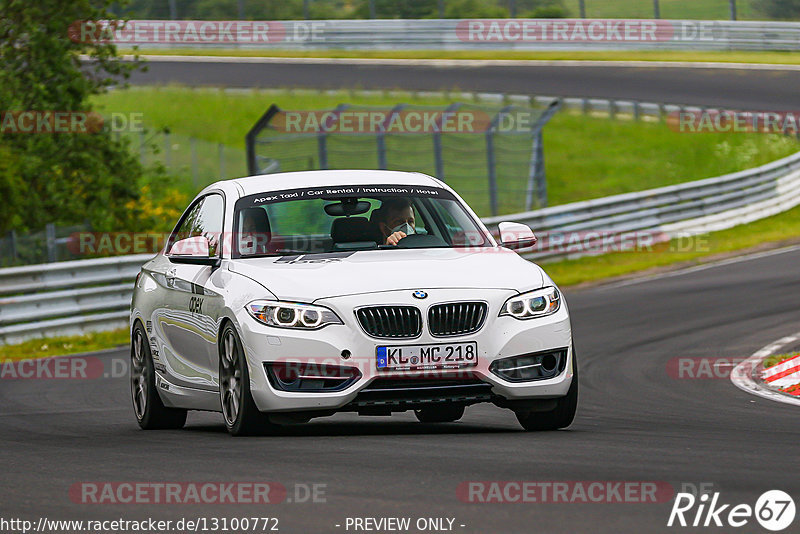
x=294, y=180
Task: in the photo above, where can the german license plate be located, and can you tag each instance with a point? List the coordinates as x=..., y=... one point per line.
x=439, y=356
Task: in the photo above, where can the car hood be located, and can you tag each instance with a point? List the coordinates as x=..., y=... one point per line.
x=306, y=278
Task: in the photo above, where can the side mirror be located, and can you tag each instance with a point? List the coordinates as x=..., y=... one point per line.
x=516, y=235
x=192, y=251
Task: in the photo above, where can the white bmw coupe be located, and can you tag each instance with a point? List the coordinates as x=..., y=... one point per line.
x=283, y=297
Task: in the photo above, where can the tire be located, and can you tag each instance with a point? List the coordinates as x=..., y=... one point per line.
x=445, y=413
x=559, y=417
x=150, y=412
x=242, y=417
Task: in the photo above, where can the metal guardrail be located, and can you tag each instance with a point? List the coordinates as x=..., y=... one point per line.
x=79, y=296
x=74, y=297
x=66, y=298
x=495, y=34
x=682, y=210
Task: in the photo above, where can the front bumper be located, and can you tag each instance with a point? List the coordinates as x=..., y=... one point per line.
x=499, y=337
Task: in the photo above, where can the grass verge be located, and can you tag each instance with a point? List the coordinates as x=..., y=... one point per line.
x=778, y=358
x=778, y=230
x=759, y=57
x=585, y=157
x=64, y=345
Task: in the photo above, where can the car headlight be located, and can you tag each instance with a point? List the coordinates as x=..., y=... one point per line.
x=537, y=303
x=292, y=315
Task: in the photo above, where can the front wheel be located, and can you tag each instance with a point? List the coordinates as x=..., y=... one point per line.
x=559, y=417
x=151, y=414
x=242, y=417
x=446, y=413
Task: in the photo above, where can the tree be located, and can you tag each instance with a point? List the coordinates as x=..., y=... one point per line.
x=66, y=178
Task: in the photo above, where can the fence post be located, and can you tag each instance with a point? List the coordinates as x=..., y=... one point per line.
x=50, y=240
x=437, y=155
x=490, y=158
x=322, y=150
x=438, y=159
x=491, y=170
x=193, y=144
x=538, y=170
x=380, y=137
x=167, y=151
x=221, y=161
x=537, y=179
x=12, y=238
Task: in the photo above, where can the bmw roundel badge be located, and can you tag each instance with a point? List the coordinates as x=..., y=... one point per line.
x=420, y=295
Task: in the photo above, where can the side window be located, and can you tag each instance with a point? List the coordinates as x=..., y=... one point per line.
x=204, y=219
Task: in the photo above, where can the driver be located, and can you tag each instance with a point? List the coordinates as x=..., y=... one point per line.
x=395, y=219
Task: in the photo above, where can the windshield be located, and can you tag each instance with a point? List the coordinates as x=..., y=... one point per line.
x=330, y=219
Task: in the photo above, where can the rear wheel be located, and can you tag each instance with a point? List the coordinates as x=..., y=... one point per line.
x=242, y=417
x=559, y=417
x=151, y=414
x=445, y=413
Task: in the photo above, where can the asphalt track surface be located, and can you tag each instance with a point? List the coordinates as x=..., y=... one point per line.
x=636, y=422
x=762, y=89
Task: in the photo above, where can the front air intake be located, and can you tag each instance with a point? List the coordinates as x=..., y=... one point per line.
x=390, y=322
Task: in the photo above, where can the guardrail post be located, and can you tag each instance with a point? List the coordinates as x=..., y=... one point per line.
x=656, y=10
x=582, y=8
x=585, y=106
x=733, y=9
x=636, y=111
x=50, y=240
x=612, y=109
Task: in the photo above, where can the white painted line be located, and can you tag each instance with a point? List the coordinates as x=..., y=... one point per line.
x=466, y=62
x=741, y=375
